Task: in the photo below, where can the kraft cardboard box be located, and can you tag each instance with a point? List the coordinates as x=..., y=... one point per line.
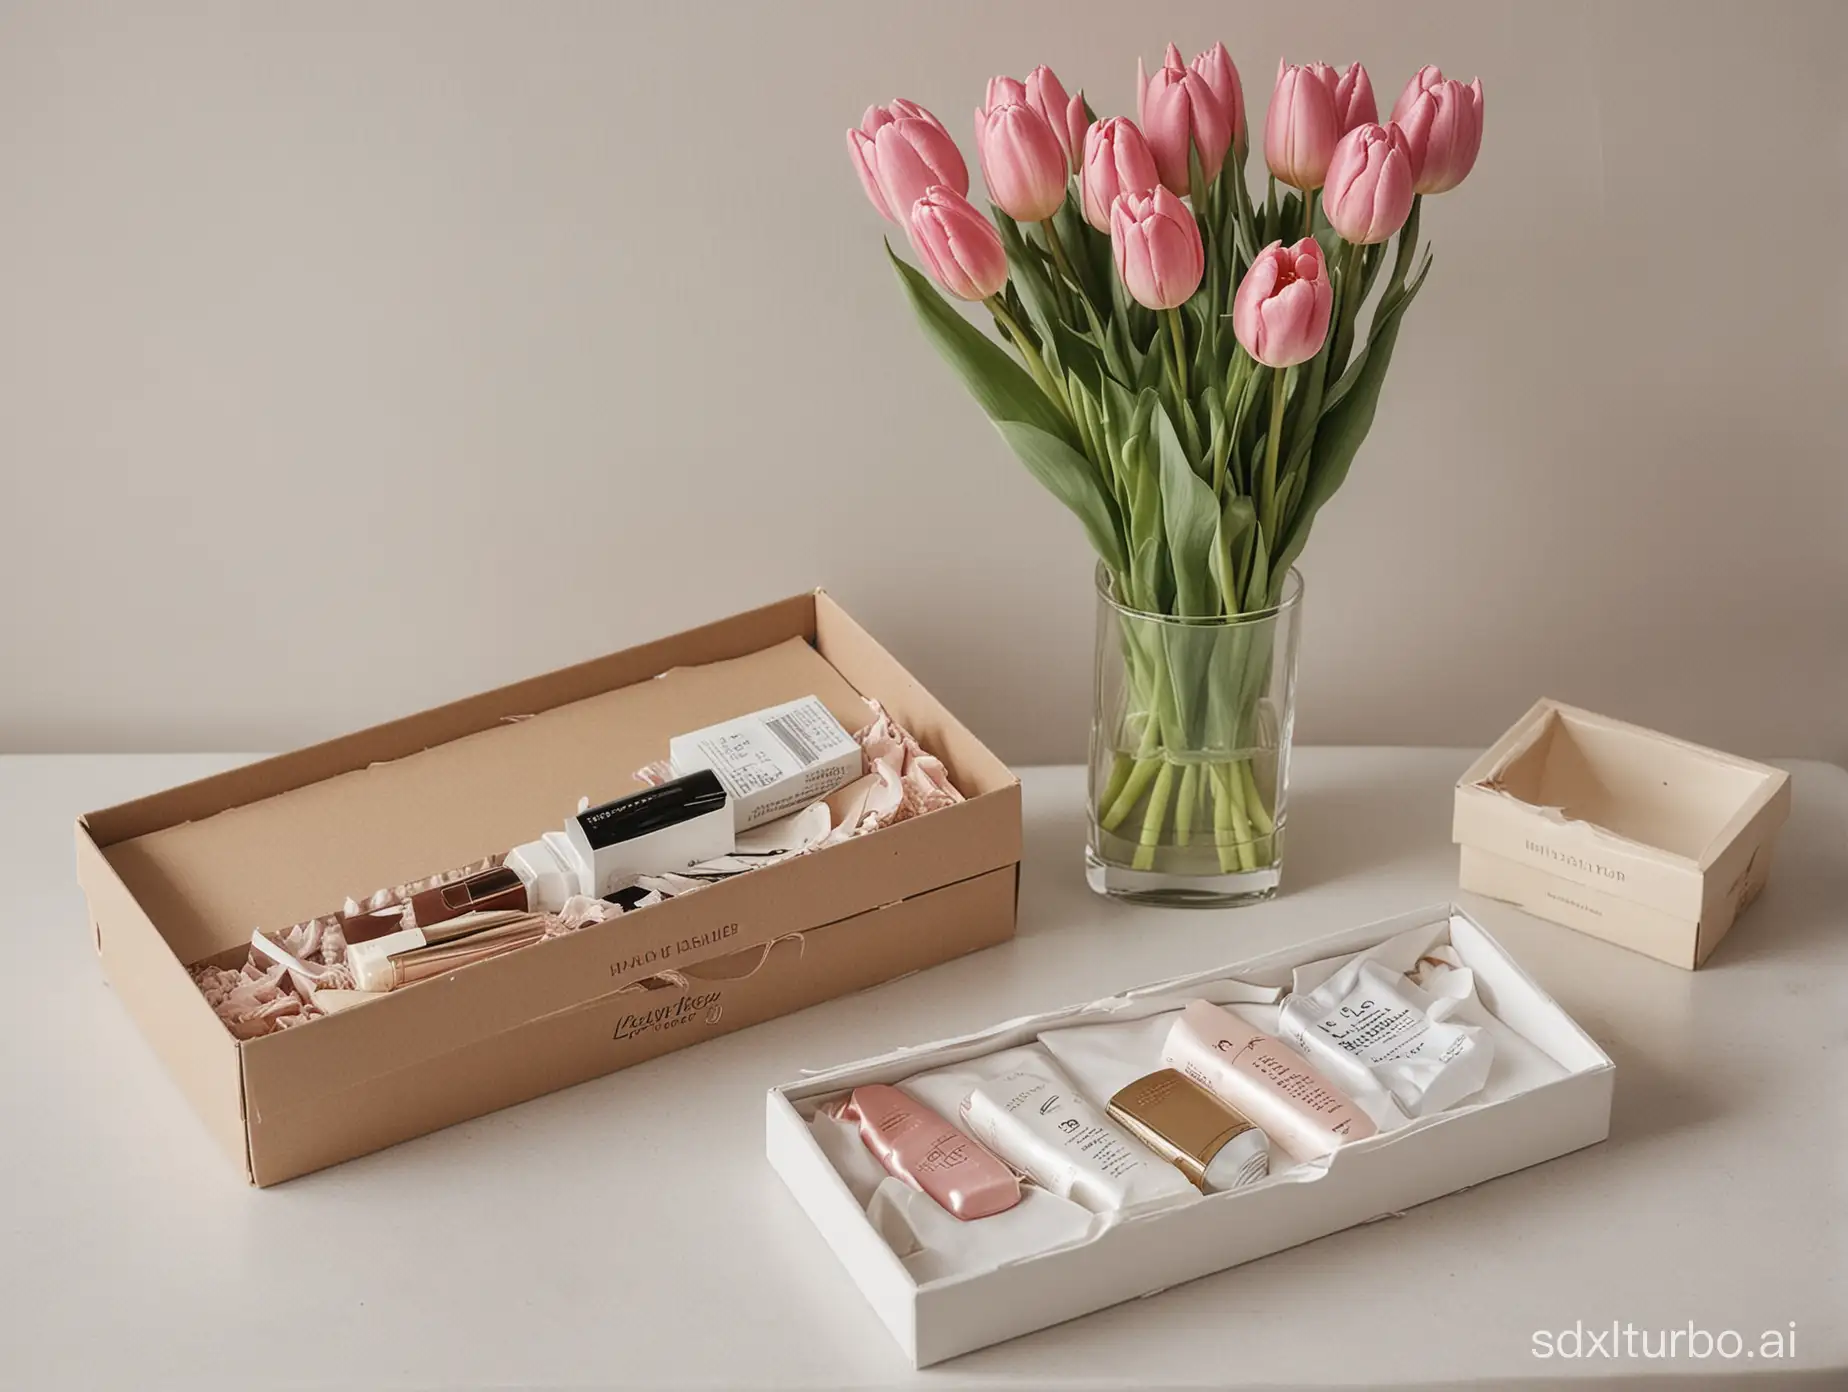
x=182, y=878
x=1621, y=832
x=1565, y=1106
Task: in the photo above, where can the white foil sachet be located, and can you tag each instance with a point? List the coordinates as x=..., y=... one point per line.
x=1373, y=1027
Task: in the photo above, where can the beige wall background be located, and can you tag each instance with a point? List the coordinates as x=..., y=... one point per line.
x=355, y=357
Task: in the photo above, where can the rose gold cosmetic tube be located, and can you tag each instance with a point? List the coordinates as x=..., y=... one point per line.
x=423, y=962
x=932, y=1156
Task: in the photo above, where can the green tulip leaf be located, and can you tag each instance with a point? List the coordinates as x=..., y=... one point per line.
x=1218, y=435
x=1029, y=274
x=1155, y=366
x=1079, y=355
x=1236, y=519
x=1146, y=568
x=1073, y=230
x=1107, y=345
x=1087, y=417
x=1344, y=427
x=1072, y=479
x=1191, y=515
x=1119, y=411
x=1386, y=316
x=1037, y=431
x=1257, y=584
x=1000, y=386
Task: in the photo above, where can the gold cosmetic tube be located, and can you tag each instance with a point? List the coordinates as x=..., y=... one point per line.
x=1212, y=1144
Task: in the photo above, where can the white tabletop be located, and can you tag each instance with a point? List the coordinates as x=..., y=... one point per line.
x=628, y=1232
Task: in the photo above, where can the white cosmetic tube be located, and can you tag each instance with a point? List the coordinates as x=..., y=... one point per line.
x=1020, y=1104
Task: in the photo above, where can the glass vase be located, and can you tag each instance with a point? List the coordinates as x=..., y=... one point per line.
x=1190, y=752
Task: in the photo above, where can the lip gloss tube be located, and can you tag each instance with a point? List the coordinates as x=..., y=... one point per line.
x=384, y=964
x=932, y=1156
x=387, y=972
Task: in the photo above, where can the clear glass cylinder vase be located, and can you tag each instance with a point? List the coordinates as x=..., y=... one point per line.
x=1190, y=752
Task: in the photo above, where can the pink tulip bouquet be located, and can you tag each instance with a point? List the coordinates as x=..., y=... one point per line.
x=1190, y=370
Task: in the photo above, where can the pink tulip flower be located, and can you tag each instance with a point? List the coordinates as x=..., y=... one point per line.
x=1023, y=163
x=1369, y=188
x=1064, y=114
x=1281, y=311
x=957, y=245
x=1157, y=247
x=1179, y=108
x=1301, y=128
x=1354, y=103
x=1216, y=66
x=1002, y=90
x=1426, y=77
x=1116, y=160
x=899, y=151
x=1442, y=121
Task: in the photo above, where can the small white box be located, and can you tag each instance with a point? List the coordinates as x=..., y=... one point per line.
x=772, y=761
x=1624, y=833
x=1140, y=1254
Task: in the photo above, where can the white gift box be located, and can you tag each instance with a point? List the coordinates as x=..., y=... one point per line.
x=1624, y=833
x=1137, y=1254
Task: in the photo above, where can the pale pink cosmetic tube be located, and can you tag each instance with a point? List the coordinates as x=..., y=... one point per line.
x=1267, y=1080
x=921, y=1148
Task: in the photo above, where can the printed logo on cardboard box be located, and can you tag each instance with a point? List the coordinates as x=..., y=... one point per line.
x=705, y=1007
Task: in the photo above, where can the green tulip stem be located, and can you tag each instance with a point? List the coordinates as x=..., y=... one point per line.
x=1154, y=819
x=1267, y=500
x=1348, y=311
x=1184, y=804
x=1223, y=835
x=1242, y=847
x=1057, y=246
x=1179, y=335
x=1231, y=822
x=1308, y=212
x=1035, y=363
x=1140, y=775
x=1119, y=775
x=1263, y=848
x=1254, y=800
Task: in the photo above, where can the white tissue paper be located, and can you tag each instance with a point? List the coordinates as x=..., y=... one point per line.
x=840, y=1142
x=934, y=1243
x=1104, y=1059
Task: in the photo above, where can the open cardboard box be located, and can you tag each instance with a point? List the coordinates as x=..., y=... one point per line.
x=182, y=877
x=1140, y=1253
x=1620, y=832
